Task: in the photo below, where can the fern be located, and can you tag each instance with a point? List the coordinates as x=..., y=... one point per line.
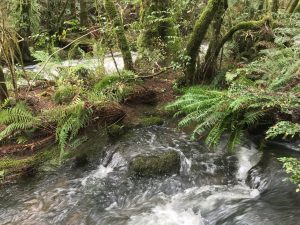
x=69, y=119
x=285, y=129
x=216, y=112
x=16, y=119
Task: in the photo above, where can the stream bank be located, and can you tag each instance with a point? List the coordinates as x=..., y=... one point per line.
x=212, y=188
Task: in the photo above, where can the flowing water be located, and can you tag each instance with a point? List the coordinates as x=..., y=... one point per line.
x=52, y=70
x=213, y=188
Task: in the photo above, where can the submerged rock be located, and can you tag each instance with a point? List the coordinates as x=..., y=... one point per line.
x=156, y=165
x=151, y=121
x=115, y=131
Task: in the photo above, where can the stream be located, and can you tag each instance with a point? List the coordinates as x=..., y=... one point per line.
x=213, y=187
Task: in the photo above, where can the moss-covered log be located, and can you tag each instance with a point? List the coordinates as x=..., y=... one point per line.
x=159, y=30
x=3, y=88
x=23, y=149
x=115, y=18
x=293, y=6
x=197, y=37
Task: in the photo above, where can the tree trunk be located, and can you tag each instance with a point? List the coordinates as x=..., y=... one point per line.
x=261, y=5
x=293, y=6
x=250, y=25
x=197, y=38
x=3, y=88
x=297, y=9
x=159, y=28
x=275, y=6
x=83, y=13
x=25, y=30
x=115, y=18
x=209, y=67
x=73, y=9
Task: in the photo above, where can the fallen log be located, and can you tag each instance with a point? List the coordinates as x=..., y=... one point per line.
x=24, y=149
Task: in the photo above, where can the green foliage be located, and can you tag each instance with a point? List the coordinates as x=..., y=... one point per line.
x=65, y=94
x=285, y=129
x=115, y=86
x=26, y=14
x=69, y=120
x=16, y=119
x=8, y=163
x=216, y=112
x=256, y=92
x=292, y=167
x=160, y=32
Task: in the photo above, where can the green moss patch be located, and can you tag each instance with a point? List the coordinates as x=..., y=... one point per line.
x=151, y=121
x=115, y=131
x=159, y=165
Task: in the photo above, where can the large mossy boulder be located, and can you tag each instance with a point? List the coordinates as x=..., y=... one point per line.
x=155, y=165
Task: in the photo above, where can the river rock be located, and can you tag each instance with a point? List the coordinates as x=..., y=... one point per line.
x=155, y=165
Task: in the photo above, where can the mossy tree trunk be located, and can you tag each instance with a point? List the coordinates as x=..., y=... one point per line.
x=275, y=6
x=3, y=88
x=261, y=4
x=293, y=6
x=297, y=9
x=25, y=30
x=249, y=25
x=209, y=67
x=116, y=20
x=196, y=39
x=159, y=27
x=83, y=13
x=73, y=8
x=60, y=20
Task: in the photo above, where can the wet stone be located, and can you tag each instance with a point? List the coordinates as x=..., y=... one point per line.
x=155, y=165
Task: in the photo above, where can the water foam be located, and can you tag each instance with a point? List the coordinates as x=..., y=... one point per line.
x=103, y=171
